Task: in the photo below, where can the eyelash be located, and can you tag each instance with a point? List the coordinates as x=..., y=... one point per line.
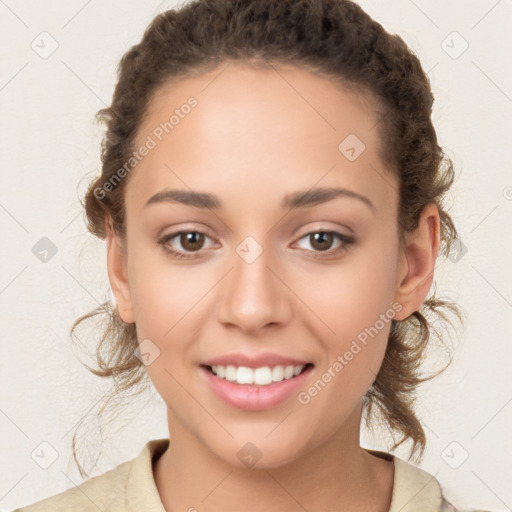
x=346, y=242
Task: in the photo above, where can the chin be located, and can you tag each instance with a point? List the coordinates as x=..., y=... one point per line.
x=258, y=452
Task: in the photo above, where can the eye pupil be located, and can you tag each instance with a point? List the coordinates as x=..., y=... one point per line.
x=190, y=239
x=322, y=237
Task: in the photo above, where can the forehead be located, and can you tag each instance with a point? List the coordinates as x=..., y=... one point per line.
x=322, y=103
x=268, y=129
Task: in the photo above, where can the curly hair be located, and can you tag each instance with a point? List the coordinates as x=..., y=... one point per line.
x=339, y=40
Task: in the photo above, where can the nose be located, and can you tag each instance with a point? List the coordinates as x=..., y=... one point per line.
x=253, y=295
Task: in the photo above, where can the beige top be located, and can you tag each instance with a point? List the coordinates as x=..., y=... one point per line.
x=130, y=487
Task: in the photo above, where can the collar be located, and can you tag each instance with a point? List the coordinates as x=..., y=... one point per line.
x=414, y=490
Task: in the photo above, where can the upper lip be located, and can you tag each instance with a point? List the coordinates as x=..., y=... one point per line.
x=254, y=361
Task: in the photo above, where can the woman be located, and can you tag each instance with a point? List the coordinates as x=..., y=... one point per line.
x=291, y=143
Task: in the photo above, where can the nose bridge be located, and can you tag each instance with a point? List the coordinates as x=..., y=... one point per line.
x=253, y=296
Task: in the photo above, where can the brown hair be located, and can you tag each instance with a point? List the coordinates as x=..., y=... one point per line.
x=335, y=38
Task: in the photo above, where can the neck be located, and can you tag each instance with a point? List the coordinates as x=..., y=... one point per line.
x=338, y=474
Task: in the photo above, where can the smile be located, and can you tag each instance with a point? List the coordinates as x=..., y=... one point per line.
x=262, y=376
x=254, y=389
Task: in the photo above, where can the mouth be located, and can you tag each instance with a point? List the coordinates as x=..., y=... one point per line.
x=262, y=376
x=255, y=389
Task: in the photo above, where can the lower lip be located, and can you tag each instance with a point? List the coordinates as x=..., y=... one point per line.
x=250, y=397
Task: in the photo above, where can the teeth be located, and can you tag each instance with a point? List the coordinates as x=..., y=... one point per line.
x=259, y=376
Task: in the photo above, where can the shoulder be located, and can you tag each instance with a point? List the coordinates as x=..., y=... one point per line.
x=416, y=490
x=448, y=507
x=130, y=483
x=96, y=493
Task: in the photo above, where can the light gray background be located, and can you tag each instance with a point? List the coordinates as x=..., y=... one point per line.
x=49, y=142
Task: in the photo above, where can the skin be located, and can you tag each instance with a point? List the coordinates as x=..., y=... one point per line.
x=255, y=136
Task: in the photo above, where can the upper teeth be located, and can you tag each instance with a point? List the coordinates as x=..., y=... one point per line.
x=260, y=376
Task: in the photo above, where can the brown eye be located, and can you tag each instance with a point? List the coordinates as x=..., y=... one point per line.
x=192, y=240
x=184, y=244
x=321, y=241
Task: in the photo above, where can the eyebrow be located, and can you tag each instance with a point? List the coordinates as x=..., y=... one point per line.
x=300, y=199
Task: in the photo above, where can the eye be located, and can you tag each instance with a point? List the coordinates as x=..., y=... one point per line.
x=321, y=241
x=190, y=241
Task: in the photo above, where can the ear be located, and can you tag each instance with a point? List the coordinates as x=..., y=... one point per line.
x=418, y=258
x=117, y=274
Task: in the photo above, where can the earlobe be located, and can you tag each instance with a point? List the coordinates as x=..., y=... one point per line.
x=420, y=251
x=117, y=274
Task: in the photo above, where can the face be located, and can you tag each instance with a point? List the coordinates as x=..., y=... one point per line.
x=256, y=272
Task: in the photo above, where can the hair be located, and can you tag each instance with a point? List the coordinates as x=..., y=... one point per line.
x=339, y=40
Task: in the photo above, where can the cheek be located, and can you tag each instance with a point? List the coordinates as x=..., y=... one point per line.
x=167, y=302
x=354, y=303
x=358, y=314
x=172, y=305
x=164, y=295
x=352, y=296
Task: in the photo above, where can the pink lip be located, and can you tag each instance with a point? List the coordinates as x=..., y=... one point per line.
x=251, y=397
x=264, y=359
